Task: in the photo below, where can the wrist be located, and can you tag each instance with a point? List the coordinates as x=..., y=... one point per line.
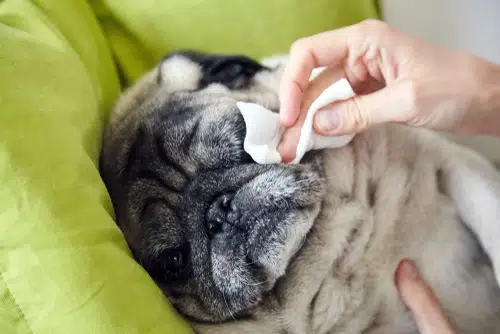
x=483, y=117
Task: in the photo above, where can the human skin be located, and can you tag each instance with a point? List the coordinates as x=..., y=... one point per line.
x=397, y=78
x=421, y=300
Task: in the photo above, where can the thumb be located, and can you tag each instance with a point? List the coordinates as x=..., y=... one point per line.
x=393, y=103
x=421, y=300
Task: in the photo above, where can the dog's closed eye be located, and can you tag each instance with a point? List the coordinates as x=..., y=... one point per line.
x=169, y=265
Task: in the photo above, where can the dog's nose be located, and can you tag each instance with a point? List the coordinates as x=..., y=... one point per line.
x=219, y=214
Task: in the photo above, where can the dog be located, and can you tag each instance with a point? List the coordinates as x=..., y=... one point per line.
x=239, y=247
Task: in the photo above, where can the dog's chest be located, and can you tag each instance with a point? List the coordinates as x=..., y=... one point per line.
x=406, y=215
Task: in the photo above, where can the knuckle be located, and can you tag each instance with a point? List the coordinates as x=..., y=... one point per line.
x=355, y=116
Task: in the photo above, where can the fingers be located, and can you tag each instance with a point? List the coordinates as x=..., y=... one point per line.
x=390, y=104
x=366, y=69
x=288, y=146
x=290, y=139
x=394, y=103
x=325, y=49
x=421, y=300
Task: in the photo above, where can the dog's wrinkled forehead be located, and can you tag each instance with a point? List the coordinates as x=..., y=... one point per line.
x=182, y=85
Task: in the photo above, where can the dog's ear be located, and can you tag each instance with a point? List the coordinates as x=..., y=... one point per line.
x=234, y=72
x=178, y=71
x=196, y=70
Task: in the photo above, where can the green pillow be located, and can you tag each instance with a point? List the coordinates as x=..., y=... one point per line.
x=64, y=265
x=140, y=32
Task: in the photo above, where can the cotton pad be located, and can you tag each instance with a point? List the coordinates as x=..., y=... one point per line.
x=340, y=90
x=264, y=131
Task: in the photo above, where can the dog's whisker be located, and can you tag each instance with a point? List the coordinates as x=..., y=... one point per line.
x=255, y=284
x=227, y=306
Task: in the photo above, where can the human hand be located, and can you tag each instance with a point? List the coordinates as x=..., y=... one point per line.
x=398, y=78
x=421, y=300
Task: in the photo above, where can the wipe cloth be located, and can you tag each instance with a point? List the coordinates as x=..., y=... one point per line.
x=264, y=131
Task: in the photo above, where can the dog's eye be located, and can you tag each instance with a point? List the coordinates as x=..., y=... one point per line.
x=169, y=265
x=175, y=259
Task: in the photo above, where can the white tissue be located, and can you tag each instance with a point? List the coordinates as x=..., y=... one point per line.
x=264, y=131
x=340, y=90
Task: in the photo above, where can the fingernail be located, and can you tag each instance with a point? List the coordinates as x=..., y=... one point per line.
x=327, y=120
x=286, y=152
x=409, y=270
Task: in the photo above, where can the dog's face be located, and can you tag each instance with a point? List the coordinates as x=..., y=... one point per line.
x=213, y=229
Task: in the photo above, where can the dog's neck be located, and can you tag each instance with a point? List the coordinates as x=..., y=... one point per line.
x=330, y=278
x=337, y=243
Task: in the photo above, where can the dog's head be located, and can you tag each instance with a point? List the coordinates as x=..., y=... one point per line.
x=213, y=229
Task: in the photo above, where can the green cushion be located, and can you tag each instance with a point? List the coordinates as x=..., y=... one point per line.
x=140, y=32
x=64, y=265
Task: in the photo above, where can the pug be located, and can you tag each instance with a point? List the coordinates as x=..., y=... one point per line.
x=239, y=247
